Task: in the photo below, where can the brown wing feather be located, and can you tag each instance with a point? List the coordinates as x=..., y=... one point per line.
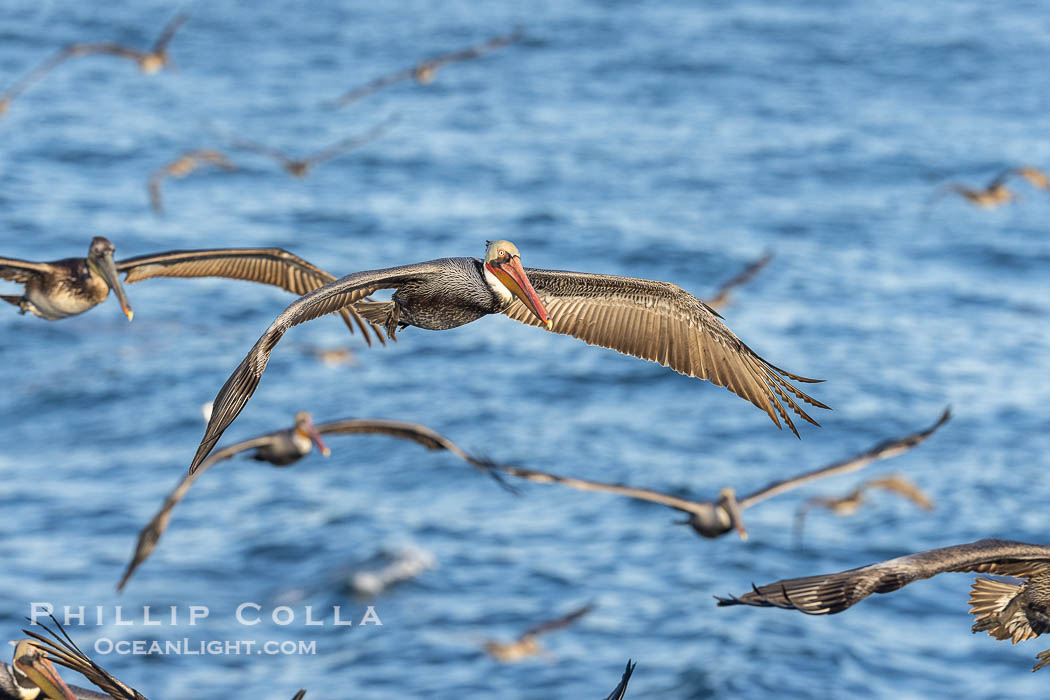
x=884, y=450
x=373, y=86
x=661, y=322
x=832, y=593
x=420, y=434
x=476, y=51
x=273, y=266
x=240, y=386
x=21, y=271
x=62, y=650
x=166, y=34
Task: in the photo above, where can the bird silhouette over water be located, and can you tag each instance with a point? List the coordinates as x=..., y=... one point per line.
x=528, y=643
x=995, y=194
x=851, y=502
x=301, y=167
x=721, y=298
x=182, y=166
x=149, y=62
x=1003, y=610
x=425, y=71
x=716, y=518
x=656, y=321
x=283, y=448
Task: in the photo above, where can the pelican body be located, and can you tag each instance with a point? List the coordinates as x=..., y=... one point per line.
x=656, y=321
x=63, y=288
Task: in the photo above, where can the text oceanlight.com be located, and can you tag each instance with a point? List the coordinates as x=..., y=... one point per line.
x=214, y=647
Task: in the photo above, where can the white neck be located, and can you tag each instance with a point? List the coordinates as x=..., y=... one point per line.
x=498, y=288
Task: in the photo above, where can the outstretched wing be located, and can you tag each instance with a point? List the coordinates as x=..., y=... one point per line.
x=376, y=85
x=334, y=296
x=36, y=74
x=832, y=593
x=150, y=535
x=273, y=266
x=661, y=322
x=884, y=450
x=22, y=271
x=420, y=434
x=166, y=34
x=563, y=621
x=107, y=49
x=476, y=51
x=350, y=143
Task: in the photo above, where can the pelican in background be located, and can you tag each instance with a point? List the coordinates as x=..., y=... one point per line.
x=995, y=193
x=301, y=167
x=528, y=643
x=32, y=677
x=715, y=518
x=63, y=288
x=1004, y=610
x=656, y=321
x=851, y=502
x=182, y=166
x=425, y=71
x=286, y=447
x=620, y=691
x=149, y=62
x=721, y=298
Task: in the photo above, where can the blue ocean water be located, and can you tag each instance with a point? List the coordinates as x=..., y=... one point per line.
x=667, y=140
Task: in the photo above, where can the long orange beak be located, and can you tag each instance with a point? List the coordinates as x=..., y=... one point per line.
x=311, y=431
x=30, y=660
x=513, y=277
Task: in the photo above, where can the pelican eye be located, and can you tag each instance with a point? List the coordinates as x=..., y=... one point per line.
x=502, y=253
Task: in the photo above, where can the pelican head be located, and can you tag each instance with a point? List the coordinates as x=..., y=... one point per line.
x=34, y=674
x=503, y=261
x=100, y=262
x=304, y=427
x=424, y=73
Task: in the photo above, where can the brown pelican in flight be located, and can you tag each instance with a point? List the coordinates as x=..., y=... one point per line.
x=149, y=62
x=721, y=298
x=995, y=193
x=182, y=166
x=528, y=643
x=301, y=167
x=715, y=518
x=425, y=71
x=62, y=288
x=620, y=691
x=1004, y=610
x=851, y=502
x=286, y=447
x=656, y=321
x=32, y=677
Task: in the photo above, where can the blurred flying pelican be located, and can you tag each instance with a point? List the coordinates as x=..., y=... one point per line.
x=63, y=288
x=721, y=298
x=182, y=166
x=1004, y=610
x=995, y=193
x=652, y=320
x=425, y=71
x=851, y=502
x=301, y=167
x=282, y=448
x=528, y=643
x=716, y=518
x=149, y=62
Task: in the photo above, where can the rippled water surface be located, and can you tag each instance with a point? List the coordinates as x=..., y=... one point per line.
x=673, y=141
